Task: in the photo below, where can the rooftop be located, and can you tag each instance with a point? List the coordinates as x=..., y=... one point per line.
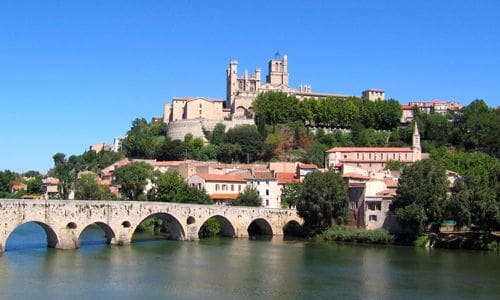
x=369, y=149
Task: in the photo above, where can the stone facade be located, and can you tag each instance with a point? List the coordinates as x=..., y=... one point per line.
x=240, y=93
x=64, y=221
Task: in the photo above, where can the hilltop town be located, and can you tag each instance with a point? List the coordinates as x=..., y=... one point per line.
x=266, y=137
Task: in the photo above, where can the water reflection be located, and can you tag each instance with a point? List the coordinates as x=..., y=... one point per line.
x=225, y=268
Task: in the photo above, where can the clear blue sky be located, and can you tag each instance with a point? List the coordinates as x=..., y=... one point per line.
x=73, y=73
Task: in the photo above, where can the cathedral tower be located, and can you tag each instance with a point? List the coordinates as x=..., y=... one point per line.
x=278, y=71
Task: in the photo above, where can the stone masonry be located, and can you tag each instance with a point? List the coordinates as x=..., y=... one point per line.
x=64, y=220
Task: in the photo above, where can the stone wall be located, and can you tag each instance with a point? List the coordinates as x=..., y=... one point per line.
x=177, y=130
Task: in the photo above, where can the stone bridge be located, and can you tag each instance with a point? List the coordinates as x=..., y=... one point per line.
x=64, y=220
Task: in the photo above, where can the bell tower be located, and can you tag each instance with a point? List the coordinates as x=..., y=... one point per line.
x=278, y=71
x=416, y=148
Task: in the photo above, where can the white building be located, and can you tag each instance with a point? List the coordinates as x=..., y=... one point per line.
x=266, y=185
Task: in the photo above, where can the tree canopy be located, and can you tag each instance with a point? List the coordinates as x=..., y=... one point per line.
x=249, y=197
x=133, y=178
x=323, y=201
x=421, y=197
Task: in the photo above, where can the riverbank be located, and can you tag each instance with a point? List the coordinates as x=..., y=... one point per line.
x=456, y=240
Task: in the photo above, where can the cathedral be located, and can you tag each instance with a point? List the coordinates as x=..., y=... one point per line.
x=185, y=113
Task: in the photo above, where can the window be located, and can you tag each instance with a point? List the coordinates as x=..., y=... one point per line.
x=216, y=187
x=357, y=156
x=232, y=187
x=239, y=187
x=267, y=182
x=200, y=111
x=200, y=105
x=369, y=156
x=267, y=192
x=372, y=218
x=345, y=155
x=393, y=155
x=224, y=187
x=267, y=202
x=406, y=155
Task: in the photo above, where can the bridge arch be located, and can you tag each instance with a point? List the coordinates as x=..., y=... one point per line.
x=227, y=227
x=259, y=226
x=174, y=225
x=109, y=233
x=52, y=238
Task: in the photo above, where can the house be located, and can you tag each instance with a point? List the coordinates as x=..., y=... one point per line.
x=221, y=188
x=266, y=185
x=50, y=186
x=304, y=169
x=18, y=186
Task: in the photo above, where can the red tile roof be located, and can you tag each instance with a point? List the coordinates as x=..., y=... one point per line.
x=307, y=166
x=369, y=149
x=219, y=177
x=286, y=177
x=355, y=176
x=406, y=106
x=263, y=176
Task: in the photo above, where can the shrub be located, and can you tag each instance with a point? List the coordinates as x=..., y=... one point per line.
x=348, y=234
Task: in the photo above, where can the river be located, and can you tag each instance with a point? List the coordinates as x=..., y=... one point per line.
x=223, y=268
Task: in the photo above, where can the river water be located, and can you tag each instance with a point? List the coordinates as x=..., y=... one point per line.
x=223, y=268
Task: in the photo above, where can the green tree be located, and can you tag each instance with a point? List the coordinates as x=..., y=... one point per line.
x=171, y=187
x=35, y=186
x=86, y=188
x=323, y=202
x=64, y=170
x=475, y=201
x=421, y=196
x=291, y=194
x=250, y=140
x=276, y=108
x=218, y=135
x=315, y=154
x=133, y=178
x=6, y=179
x=249, y=197
x=210, y=228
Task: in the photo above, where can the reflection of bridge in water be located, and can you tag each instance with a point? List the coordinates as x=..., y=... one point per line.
x=64, y=220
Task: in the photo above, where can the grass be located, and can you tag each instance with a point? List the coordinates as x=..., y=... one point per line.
x=356, y=235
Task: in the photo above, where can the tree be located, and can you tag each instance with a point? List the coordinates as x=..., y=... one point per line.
x=210, y=228
x=323, y=201
x=475, y=201
x=86, y=188
x=275, y=108
x=250, y=140
x=249, y=197
x=421, y=197
x=227, y=152
x=133, y=178
x=65, y=171
x=6, y=179
x=290, y=194
x=218, y=134
x=35, y=186
x=315, y=154
x=171, y=187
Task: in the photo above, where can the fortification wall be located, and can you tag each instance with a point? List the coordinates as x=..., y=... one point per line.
x=177, y=130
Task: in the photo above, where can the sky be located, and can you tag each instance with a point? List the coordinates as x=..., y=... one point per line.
x=74, y=73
